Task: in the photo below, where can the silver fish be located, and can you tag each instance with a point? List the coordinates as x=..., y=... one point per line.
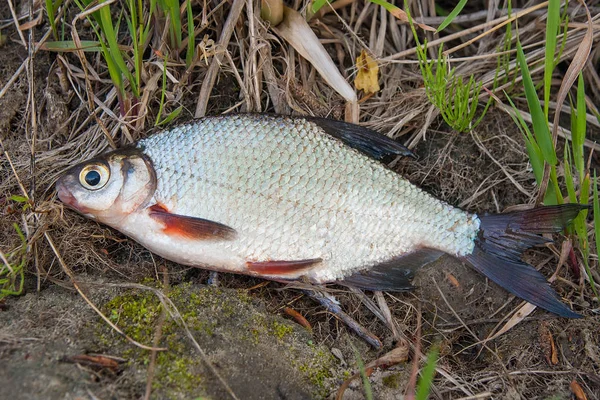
x=289, y=198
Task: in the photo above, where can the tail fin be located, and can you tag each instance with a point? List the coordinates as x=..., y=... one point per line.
x=503, y=238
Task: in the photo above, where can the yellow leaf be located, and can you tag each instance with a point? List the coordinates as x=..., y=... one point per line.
x=368, y=73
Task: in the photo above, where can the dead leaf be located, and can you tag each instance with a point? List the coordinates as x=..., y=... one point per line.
x=368, y=73
x=519, y=316
x=402, y=16
x=452, y=279
x=298, y=317
x=547, y=344
x=296, y=31
x=96, y=361
x=397, y=355
x=31, y=24
x=577, y=390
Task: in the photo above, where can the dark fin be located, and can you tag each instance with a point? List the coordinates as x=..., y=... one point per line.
x=394, y=275
x=281, y=267
x=502, y=239
x=190, y=227
x=365, y=140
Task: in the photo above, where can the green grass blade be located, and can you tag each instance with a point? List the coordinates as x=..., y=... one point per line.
x=552, y=25
x=427, y=374
x=171, y=8
x=539, y=120
x=596, y=204
x=172, y=115
x=363, y=374
x=533, y=150
x=69, y=46
x=113, y=47
x=317, y=5
x=51, y=8
x=569, y=179
x=453, y=14
x=388, y=6
x=191, y=44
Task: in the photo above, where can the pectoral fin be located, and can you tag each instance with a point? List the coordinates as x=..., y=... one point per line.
x=190, y=227
x=281, y=268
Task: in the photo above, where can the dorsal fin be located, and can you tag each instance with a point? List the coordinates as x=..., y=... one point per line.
x=394, y=275
x=365, y=140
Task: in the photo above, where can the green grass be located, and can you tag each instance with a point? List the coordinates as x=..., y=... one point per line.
x=12, y=267
x=126, y=54
x=427, y=375
x=541, y=147
x=363, y=374
x=51, y=9
x=453, y=14
x=456, y=99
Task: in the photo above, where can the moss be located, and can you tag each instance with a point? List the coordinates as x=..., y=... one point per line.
x=392, y=381
x=281, y=330
x=136, y=312
x=217, y=318
x=318, y=371
x=176, y=373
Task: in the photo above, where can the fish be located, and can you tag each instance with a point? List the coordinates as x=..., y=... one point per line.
x=304, y=199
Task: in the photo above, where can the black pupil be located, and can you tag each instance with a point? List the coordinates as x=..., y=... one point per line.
x=92, y=178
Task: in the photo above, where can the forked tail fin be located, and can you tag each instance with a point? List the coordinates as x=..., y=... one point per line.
x=503, y=238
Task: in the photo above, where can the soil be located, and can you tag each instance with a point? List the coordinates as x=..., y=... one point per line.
x=240, y=324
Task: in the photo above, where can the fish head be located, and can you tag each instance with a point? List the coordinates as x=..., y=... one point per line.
x=110, y=187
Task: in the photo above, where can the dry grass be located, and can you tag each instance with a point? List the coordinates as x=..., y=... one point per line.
x=59, y=109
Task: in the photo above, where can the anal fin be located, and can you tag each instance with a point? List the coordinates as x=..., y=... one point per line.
x=395, y=274
x=281, y=268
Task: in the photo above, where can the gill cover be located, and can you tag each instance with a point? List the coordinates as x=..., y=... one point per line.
x=109, y=187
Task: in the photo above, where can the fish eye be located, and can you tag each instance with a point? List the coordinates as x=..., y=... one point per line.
x=94, y=176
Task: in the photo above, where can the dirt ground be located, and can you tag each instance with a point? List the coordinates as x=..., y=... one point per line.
x=53, y=345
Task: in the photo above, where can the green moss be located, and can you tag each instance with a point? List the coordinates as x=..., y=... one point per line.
x=176, y=373
x=281, y=330
x=214, y=316
x=392, y=381
x=137, y=312
x=318, y=370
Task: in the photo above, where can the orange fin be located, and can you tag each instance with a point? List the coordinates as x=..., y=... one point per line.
x=190, y=227
x=281, y=267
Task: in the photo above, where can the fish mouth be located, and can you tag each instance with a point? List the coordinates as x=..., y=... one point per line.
x=65, y=196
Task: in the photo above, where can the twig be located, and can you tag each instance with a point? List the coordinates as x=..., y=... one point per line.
x=16, y=21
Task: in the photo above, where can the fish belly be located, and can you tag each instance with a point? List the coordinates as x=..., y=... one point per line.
x=292, y=192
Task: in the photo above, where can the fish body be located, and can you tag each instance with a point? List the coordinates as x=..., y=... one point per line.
x=289, y=198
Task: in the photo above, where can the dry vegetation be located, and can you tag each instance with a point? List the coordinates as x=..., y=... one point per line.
x=58, y=108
